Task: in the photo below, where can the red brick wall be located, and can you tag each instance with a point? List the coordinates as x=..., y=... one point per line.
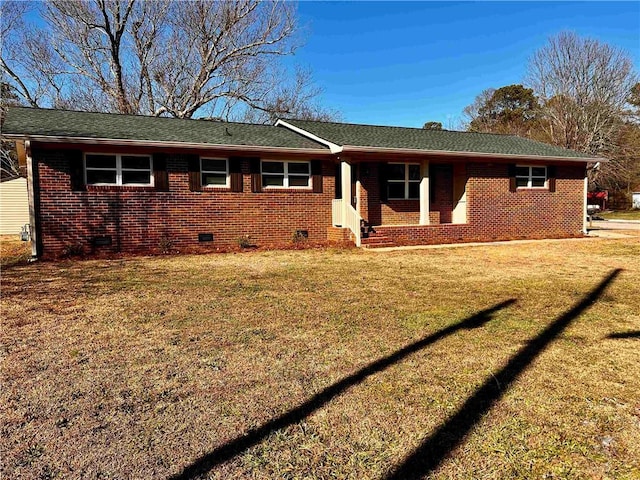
x=142, y=219
x=405, y=212
x=495, y=213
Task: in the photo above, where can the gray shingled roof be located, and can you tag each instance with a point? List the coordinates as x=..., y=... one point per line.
x=344, y=134
x=65, y=123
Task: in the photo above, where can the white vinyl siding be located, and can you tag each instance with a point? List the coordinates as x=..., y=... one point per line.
x=14, y=206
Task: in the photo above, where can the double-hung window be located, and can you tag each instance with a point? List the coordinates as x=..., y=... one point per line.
x=117, y=169
x=215, y=172
x=403, y=181
x=286, y=174
x=531, y=176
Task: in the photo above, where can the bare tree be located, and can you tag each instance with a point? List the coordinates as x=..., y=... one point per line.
x=583, y=86
x=158, y=57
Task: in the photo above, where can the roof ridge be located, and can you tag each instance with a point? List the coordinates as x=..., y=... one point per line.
x=407, y=128
x=135, y=115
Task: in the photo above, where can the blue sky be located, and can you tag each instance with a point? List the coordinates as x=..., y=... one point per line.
x=405, y=63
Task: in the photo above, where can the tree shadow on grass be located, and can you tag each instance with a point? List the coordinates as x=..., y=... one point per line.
x=253, y=437
x=437, y=447
x=632, y=334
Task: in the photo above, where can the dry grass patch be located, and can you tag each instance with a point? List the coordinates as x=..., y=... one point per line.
x=135, y=368
x=13, y=251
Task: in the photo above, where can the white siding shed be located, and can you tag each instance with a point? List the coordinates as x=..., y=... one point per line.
x=14, y=206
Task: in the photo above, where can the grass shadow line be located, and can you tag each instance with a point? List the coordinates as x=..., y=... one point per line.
x=253, y=437
x=437, y=447
x=631, y=334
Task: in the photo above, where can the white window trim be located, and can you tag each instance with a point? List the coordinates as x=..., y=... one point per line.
x=406, y=181
x=226, y=172
x=530, y=177
x=119, y=169
x=285, y=182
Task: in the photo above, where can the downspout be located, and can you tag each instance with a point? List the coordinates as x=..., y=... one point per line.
x=584, y=206
x=34, y=227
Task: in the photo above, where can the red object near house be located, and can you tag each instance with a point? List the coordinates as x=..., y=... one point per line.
x=599, y=198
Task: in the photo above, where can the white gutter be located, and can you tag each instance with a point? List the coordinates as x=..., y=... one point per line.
x=161, y=144
x=332, y=146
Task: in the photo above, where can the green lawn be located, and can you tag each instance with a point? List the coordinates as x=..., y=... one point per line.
x=506, y=361
x=622, y=215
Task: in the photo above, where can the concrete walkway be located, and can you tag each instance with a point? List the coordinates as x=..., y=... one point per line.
x=588, y=238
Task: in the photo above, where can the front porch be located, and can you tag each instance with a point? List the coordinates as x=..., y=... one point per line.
x=400, y=202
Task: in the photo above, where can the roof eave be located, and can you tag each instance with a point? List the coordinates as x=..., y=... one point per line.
x=162, y=144
x=482, y=155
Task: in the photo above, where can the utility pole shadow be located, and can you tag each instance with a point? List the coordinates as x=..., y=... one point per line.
x=437, y=447
x=632, y=334
x=253, y=437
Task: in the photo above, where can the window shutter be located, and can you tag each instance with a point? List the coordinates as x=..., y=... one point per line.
x=382, y=178
x=160, y=174
x=235, y=172
x=512, y=178
x=256, y=179
x=316, y=176
x=195, y=176
x=551, y=178
x=76, y=170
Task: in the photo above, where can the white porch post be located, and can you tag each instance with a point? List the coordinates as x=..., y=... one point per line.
x=424, y=193
x=33, y=229
x=345, y=171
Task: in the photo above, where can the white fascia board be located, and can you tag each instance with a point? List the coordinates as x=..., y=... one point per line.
x=334, y=148
x=161, y=144
x=444, y=153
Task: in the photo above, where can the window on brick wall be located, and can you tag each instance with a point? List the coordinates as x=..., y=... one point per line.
x=117, y=169
x=285, y=174
x=403, y=181
x=529, y=176
x=215, y=172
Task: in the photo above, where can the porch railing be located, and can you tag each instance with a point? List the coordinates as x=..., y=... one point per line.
x=336, y=212
x=351, y=220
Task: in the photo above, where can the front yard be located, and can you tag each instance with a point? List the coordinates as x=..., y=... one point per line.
x=509, y=361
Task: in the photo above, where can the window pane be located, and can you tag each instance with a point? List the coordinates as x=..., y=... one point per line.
x=214, y=179
x=101, y=161
x=214, y=165
x=522, y=182
x=298, y=181
x=396, y=190
x=414, y=172
x=522, y=171
x=537, y=182
x=539, y=171
x=273, y=167
x=396, y=171
x=299, y=168
x=101, y=176
x=136, y=176
x=272, y=181
x=414, y=190
x=139, y=163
